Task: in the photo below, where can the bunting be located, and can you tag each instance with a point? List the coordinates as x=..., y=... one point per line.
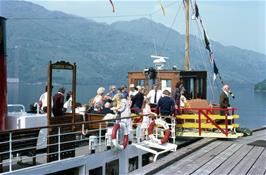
x=215, y=70
x=162, y=8
x=196, y=10
x=112, y=5
x=184, y=3
x=207, y=42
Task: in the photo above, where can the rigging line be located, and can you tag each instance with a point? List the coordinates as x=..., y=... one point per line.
x=204, y=63
x=154, y=40
x=159, y=10
x=202, y=25
x=170, y=28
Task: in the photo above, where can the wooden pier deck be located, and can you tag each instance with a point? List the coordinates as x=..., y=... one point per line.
x=218, y=157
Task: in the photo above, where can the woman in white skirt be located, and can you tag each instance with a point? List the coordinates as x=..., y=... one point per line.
x=147, y=117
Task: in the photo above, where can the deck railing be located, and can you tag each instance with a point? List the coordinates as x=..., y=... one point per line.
x=18, y=147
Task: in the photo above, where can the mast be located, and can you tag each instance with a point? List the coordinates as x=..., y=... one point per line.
x=3, y=75
x=186, y=65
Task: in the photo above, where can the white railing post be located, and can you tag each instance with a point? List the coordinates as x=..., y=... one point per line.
x=10, y=151
x=100, y=134
x=59, y=145
x=173, y=124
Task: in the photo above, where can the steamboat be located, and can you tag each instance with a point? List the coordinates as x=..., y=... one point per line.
x=84, y=143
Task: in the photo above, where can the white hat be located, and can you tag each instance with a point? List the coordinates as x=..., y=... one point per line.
x=131, y=85
x=100, y=90
x=138, y=87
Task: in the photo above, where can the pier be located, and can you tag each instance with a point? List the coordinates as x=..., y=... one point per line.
x=245, y=155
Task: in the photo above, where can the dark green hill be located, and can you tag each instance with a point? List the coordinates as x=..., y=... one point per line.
x=105, y=53
x=261, y=86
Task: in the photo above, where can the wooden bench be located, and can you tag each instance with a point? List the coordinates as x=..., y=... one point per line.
x=67, y=149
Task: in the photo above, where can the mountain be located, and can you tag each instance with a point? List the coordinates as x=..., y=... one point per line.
x=105, y=53
x=261, y=86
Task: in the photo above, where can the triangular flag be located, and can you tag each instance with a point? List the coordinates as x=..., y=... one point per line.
x=215, y=70
x=207, y=42
x=196, y=10
x=161, y=5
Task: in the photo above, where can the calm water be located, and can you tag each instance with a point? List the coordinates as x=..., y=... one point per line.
x=252, y=106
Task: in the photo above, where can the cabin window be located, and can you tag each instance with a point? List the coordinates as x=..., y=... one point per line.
x=112, y=168
x=71, y=171
x=132, y=164
x=147, y=158
x=166, y=84
x=140, y=82
x=96, y=171
x=151, y=82
x=200, y=88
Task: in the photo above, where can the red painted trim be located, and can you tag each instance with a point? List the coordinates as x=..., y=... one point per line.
x=125, y=141
x=166, y=132
x=150, y=128
x=3, y=93
x=114, y=131
x=213, y=122
x=166, y=136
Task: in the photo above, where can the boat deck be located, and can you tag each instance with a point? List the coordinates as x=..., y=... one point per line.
x=246, y=155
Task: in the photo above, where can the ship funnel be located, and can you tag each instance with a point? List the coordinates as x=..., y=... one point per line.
x=3, y=76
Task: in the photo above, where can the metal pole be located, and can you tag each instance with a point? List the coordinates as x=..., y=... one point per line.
x=10, y=151
x=73, y=94
x=100, y=134
x=199, y=123
x=59, y=143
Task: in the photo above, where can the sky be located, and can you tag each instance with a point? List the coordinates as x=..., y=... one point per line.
x=239, y=23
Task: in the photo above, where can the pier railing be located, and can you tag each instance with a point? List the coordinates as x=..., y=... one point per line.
x=210, y=121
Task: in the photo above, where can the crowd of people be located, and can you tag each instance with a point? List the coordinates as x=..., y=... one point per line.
x=124, y=102
x=120, y=101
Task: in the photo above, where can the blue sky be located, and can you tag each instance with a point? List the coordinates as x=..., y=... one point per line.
x=239, y=23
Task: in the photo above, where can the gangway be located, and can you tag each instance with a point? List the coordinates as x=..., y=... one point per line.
x=153, y=148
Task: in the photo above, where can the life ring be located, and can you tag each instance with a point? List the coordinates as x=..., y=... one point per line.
x=166, y=131
x=114, y=131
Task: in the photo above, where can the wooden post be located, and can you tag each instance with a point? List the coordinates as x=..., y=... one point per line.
x=73, y=94
x=186, y=66
x=49, y=107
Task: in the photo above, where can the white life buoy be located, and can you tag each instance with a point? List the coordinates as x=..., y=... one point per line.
x=166, y=131
x=114, y=139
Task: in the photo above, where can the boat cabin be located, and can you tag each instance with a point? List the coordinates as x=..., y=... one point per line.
x=193, y=81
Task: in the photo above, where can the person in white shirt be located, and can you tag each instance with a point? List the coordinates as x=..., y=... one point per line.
x=43, y=101
x=154, y=95
x=68, y=103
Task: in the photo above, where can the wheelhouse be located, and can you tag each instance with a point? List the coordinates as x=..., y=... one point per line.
x=194, y=81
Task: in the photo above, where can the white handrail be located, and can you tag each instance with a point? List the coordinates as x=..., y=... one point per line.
x=17, y=105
